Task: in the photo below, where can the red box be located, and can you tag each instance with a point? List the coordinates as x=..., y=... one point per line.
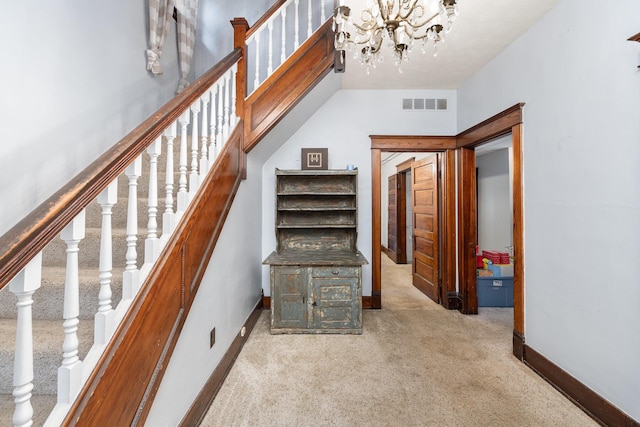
x=479, y=263
x=497, y=257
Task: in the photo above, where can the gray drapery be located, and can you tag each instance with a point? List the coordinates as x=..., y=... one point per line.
x=160, y=15
x=187, y=15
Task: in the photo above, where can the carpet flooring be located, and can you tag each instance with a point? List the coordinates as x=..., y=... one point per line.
x=416, y=364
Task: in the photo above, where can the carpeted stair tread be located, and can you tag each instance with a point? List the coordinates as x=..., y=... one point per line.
x=54, y=253
x=48, y=337
x=48, y=300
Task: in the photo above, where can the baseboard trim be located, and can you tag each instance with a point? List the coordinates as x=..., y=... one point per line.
x=589, y=401
x=266, y=303
x=453, y=301
x=518, y=345
x=201, y=404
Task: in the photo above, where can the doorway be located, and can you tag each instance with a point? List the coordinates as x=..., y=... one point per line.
x=458, y=264
x=411, y=213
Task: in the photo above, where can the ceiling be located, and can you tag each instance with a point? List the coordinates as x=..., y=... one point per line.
x=482, y=29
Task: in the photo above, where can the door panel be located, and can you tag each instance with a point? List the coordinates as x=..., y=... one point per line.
x=392, y=229
x=290, y=308
x=424, y=175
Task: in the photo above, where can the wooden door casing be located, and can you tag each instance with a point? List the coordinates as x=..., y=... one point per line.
x=392, y=221
x=426, y=247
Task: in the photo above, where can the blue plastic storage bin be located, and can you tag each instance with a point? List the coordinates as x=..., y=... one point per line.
x=495, y=291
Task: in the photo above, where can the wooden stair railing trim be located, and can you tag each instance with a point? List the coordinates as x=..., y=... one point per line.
x=265, y=18
x=27, y=238
x=255, y=132
x=175, y=247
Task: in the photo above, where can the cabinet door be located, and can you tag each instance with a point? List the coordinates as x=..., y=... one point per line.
x=336, y=298
x=289, y=297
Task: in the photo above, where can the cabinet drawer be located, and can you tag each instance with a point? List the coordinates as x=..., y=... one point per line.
x=335, y=271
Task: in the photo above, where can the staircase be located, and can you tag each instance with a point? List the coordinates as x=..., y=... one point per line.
x=115, y=384
x=48, y=332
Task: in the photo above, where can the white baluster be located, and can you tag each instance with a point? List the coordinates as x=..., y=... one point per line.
x=70, y=372
x=168, y=218
x=296, y=42
x=212, y=125
x=24, y=285
x=234, y=117
x=323, y=16
x=152, y=244
x=219, y=135
x=309, y=19
x=194, y=181
x=283, y=51
x=204, y=149
x=270, y=67
x=225, y=124
x=256, y=81
x=183, y=196
x=105, y=317
x=131, y=274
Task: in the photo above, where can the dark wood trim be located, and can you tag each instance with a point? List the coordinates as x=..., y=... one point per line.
x=266, y=303
x=589, y=401
x=380, y=143
x=132, y=366
x=201, y=404
x=503, y=123
x=492, y=128
x=280, y=92
x=376, y=218
x=370, y=302
x=273, y=9
x=408, y=143
x=635, y=38
x=405, y=166
x=454, y=301
x=27, y=238
x=448, y=231
x=518, y=229
x=518, y=345
x=388, y=252
x=467, y=226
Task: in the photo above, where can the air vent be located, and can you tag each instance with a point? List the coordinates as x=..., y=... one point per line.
x=424, y=104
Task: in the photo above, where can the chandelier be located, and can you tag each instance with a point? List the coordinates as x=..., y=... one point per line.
x=397, y=23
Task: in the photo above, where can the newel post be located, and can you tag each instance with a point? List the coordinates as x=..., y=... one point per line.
x=240, y=28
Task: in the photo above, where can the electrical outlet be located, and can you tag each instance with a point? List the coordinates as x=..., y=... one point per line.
x=212, y=337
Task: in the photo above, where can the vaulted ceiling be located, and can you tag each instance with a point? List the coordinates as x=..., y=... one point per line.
x=482, y=30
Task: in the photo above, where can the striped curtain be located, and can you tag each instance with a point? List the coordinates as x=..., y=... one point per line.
x=160, y=15
x=187, y=15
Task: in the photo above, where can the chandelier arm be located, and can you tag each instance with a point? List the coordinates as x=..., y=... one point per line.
x=421, y=24
x=409, y=9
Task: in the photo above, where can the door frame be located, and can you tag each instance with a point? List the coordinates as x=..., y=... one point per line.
x=446, y=146
x=462, y=145
x=504, y=123
x=400, y=254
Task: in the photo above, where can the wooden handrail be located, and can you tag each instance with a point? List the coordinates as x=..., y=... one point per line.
x=272, y=10
x=27, y=238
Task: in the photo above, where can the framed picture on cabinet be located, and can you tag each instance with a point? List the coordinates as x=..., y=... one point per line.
x=315, y=158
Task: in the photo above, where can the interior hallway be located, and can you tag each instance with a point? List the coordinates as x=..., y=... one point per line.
x=416, y=364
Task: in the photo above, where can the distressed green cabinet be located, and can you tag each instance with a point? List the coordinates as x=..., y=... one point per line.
x=316, y=269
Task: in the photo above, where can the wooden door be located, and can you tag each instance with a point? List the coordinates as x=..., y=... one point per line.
x=424, y=189
x=392, y=223
x=288, y=297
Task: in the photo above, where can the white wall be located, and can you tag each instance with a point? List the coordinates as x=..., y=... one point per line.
x=214, y=39
x=228, y=293
x=495, y=215
x=578, y=75
x=74, y=82
x=343, y=125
